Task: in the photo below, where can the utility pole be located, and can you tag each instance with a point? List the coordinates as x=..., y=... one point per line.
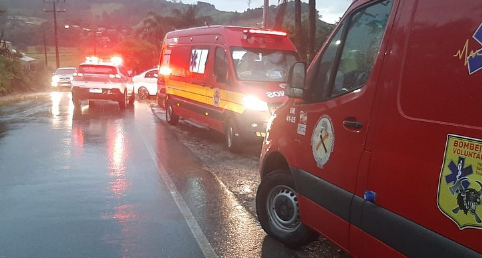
x=45, y=51
x=95, y=41
x=54, y=10
x=265, y=14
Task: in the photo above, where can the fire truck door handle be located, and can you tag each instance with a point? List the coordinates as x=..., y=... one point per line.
x=351, y=123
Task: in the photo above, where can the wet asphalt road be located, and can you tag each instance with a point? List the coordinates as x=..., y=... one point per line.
x=104, y=182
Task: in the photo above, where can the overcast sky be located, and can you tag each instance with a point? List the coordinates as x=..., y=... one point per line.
x=330, y=10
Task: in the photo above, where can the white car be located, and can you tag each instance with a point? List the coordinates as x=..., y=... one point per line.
x=145, y=84
x=103, y=81
x=62, y=78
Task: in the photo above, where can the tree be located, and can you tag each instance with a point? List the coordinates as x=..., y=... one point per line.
x=279, y=18
x=312, y=29
x=188, y=18
x=298, y=41
x=138, y=55
x=153, y=28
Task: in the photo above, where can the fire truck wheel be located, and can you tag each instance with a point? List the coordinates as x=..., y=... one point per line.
x=171, y=117
x=233, y=142
x=277, y=210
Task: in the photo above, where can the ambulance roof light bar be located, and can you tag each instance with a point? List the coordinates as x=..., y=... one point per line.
x=264, y=32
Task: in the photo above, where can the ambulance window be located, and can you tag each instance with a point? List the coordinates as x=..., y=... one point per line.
x=361, y=46
x=221, y=66
x=197, y=63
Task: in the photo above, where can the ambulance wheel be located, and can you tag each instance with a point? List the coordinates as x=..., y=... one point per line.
x=277, y=210
x=233, y=142
x=171, y=117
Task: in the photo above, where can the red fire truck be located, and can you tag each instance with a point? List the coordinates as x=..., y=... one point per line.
x=379, y=147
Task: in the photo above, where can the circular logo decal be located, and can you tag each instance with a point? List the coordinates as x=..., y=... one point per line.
x=322, y=141
x=216, y=97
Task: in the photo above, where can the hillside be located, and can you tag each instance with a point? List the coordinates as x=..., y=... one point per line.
x=117, y=14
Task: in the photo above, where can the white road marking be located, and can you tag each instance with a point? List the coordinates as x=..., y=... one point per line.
x=201, y=239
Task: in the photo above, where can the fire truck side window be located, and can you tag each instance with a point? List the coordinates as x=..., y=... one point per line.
x=319, y=75
x=361, y=46
x=348, y=60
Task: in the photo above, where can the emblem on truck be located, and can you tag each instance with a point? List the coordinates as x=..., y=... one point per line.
x=322, y=141
x=472, y=59
x=460, y=187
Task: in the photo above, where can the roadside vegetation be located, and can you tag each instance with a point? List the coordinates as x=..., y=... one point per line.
x=13, y=75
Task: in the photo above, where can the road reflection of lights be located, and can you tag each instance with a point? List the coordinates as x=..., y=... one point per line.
x=118, y=184
x=71, y=109
x=59, y=122
x=124, y=213
x=56, y=97
x=117, y=153
x=79, y=139
x=55, y=110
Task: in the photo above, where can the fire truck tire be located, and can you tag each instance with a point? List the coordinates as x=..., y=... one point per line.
x=277, y=210
x=233, y=142
x=171, y=117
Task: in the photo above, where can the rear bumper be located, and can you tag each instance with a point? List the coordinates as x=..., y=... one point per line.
x=79, y=93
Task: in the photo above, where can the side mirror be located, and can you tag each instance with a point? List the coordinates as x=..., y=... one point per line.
x=296, y=80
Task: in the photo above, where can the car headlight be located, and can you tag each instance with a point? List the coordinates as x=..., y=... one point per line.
x=253, y=103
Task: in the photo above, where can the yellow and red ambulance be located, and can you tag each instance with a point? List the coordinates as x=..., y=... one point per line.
x=226, y=78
